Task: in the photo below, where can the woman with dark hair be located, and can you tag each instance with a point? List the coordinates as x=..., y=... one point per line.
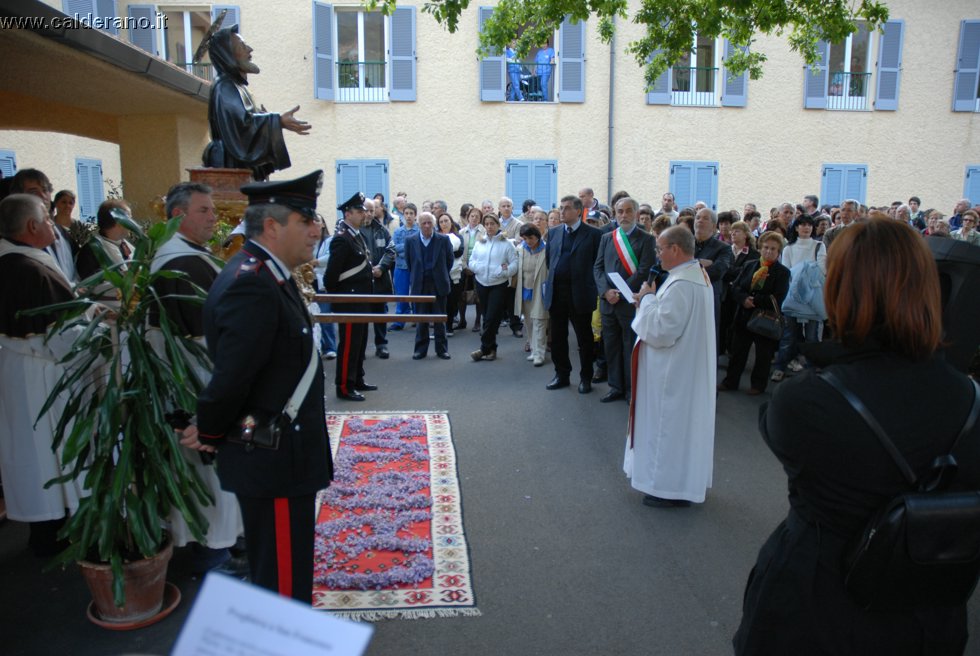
x=883, y=304
x=494, y=262
x=761, y=284
x=111, y=237
x=743, y=252
x=64, y=205
x=449, y=228
x=471, y=232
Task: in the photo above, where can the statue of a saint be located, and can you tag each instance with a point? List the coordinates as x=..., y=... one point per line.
x=243, y=134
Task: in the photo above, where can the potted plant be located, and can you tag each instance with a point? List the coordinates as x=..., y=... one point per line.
x=113, y=433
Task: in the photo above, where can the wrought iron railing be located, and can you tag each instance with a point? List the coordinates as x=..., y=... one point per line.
x=535, y=81
x=693, y=85
x=848, y=90
x=203, y=71
x=361, y=81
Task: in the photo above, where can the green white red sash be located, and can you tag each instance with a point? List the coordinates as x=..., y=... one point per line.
x=626, y=255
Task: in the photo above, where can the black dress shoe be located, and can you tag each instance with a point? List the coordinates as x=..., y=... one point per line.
x=349, y=396
x=657, y=502
x=612, y=395
x=382, y=353
x=443, y=356
x=418, y=356
x=584, y=387
x=557, y=383
x=600, y=376
x=365, y=387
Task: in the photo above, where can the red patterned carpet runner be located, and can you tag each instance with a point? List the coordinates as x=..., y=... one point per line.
x=389, y=534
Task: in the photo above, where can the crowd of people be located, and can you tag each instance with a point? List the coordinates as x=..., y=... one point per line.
x=648, y=292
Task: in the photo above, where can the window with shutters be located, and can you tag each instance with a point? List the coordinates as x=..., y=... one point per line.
x=692, y=181
x=184, y=29
x=8, y=163
x=840, y=182
x=700, y=79
x=368, y=176
x=363, y=56
x=841, y=79
x=532, y=179
x=966, y=77
x=971, y=184
x=91, y=191
x=554, y=71
x=100, y=14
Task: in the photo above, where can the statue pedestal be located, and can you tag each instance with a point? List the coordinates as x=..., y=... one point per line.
x=229, y=202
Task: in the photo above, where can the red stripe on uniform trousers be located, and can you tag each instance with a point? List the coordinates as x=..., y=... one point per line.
x=284, y=551
x=345, y=358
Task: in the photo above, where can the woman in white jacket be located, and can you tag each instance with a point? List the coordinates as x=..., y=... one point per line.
x=493, y=262
x=803, y=249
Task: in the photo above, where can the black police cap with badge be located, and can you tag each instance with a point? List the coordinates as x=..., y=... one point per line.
x=355, y=202
x=299, y=195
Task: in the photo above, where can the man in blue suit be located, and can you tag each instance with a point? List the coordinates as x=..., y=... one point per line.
x=571, y=293
x=430, y=257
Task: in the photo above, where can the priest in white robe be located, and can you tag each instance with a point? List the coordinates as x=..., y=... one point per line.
x=670, y=446
x=29, y=368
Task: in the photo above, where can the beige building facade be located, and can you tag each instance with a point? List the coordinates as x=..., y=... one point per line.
x=400, y=104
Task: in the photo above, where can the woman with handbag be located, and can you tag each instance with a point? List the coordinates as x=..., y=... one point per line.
x=470, y=234
x=759, y=292
x=883, y=304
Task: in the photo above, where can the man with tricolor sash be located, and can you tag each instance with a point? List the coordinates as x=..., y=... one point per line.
x=631, y=252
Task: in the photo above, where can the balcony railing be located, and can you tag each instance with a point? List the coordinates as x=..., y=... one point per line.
x=848, y=90
x=361, y=81
x=693, y=86
x=203, y=71
x=535, y=81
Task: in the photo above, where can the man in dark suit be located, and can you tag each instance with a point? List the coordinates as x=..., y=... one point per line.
x=629, y=251
x=570, y=294
x=382, y=251
x=260, y=338
x=349, y=272
x=430, y=257
x=714, y=254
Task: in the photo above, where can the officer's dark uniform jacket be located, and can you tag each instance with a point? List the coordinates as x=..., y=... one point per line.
x=349, y=268
x=259, y=336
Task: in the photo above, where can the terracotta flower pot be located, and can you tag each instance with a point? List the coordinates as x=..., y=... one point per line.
x=144, y=582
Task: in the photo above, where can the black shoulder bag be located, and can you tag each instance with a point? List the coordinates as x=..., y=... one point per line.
x=922, y=549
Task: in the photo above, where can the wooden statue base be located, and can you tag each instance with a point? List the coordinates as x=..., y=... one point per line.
x=229, y=201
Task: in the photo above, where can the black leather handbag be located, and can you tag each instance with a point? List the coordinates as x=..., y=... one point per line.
x=922, y=549
x=767, y=322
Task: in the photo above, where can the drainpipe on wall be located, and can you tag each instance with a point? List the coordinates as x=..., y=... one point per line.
x=612, y=95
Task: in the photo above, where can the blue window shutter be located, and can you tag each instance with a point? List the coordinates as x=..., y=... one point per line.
x=682, y=183
x=735, y=89
x=832, y=184
x=401, y=87
x=233, y=17
x=91, y=192
x=518, y=184
x=844, y=181
x=660, y=93
x=143, y=28
x=544, y=184
x=967, y=67
x=855, y=182
x=571, y=61
x=369, y=176
x=971, y=184
x=323, y=52
x=706, y=183
x=493, y=82
x=82, y=9
x=8, y=163
x=889, y=65
x=815, y=82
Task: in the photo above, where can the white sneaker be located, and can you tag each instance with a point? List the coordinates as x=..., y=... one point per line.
x=530, y=358
x=538, y=361
x=777, y=376
x=330, y=355
x=796, y=366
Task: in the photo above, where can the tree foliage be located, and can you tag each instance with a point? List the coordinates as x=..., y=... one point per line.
x=670, y=25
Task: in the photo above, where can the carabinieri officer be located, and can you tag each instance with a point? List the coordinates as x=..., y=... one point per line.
x=349, y=272
x=267, y=374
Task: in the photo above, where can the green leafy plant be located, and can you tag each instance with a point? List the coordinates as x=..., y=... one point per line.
x=113, y=433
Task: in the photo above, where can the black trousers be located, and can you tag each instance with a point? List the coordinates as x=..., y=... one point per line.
x=352, y=341
x=380, y=329
x=452, y=304
x=493, y=299
x=562, y=313
x=765, y=348
x=618, y=339
x=422, y=327
x=512, y=319
x=279, y=542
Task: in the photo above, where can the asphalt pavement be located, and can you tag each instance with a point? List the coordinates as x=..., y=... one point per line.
x=565, y=558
